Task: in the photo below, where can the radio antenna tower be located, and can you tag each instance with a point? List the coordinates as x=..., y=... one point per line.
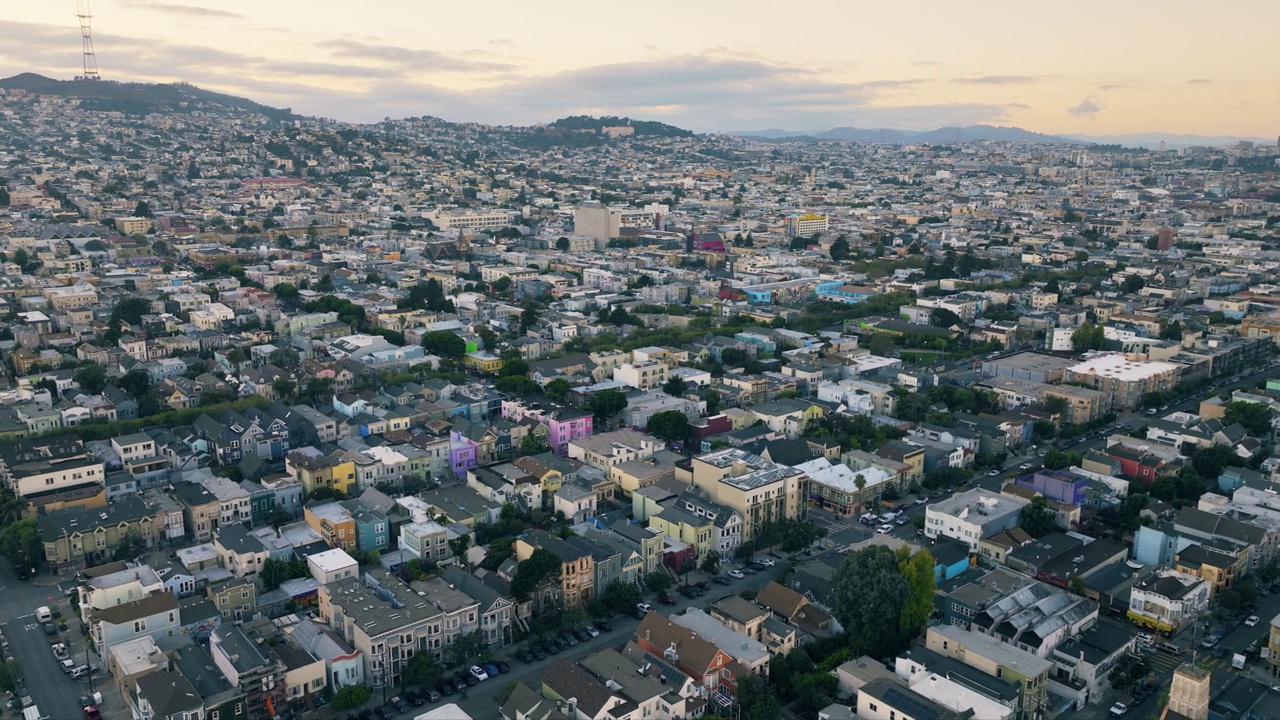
x=86, y=40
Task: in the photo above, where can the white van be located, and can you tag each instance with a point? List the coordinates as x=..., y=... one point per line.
x=44, y=614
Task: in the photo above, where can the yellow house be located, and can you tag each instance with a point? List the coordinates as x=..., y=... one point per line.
x=317, y=471
x=674, y=522
x=1218, y=569
x=333, y=522
x=548, y=477
x=481, y=360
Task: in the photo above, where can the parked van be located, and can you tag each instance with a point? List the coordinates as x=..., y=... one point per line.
x=44, y=614
x=1121, y=708
x=1170, y=648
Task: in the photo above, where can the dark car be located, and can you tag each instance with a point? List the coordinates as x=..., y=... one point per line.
x=604, y=626
x=569, y=639
x=383, y=713
x=758, y=566
x=49, y=628
x=720, y=580
x=555, y=645
x=582, y=634
x=400, y=704
x=539, y=653
x=703, y=586
x=431, y=696
x=418, y=699
x=522, y=656
x=445, y=688
x=689, y=591
x=502, y=667
x=467, y=678
x=667, y=600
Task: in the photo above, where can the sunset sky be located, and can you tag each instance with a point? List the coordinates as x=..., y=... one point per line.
x=1088, y=67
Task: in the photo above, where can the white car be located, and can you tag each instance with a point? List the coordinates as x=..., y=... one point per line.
x=736, y=574
x=478, y=673
x=884, y=529
x=993, y=473
x=1251, y=621
x=766, y=562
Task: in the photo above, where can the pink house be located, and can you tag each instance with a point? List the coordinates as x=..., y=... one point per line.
x=564, y=423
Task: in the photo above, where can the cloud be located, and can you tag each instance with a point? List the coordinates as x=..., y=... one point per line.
x=1086, y=108
x=926, y=63
x=1114, y=86
x=364, y=81
x=1201, y=81
x=175, y=9
x=997, y=80
x=408, y=58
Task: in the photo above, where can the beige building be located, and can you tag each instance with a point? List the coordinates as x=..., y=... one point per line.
x=759, y=490
x=998, y=659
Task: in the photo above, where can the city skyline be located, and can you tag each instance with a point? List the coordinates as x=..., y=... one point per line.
x=1135, y=68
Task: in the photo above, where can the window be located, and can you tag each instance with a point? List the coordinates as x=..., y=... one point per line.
x=244, y=594
x=222, y=600
x=139, y=626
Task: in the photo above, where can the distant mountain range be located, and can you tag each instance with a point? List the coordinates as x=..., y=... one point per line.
x=973, y=133
x=141, y=98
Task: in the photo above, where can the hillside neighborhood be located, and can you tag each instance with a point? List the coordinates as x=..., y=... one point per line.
x=605, y=420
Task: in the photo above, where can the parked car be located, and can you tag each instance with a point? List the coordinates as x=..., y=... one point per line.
x=720, y=580
x=400, y=704
x=667, y=599
x=433, y=695
x=538, y=653
x=993, y=472
x=67, y=665
x=884, y=529
x=643, y=609
x=767, y=562
x=523, y=656
x=60, y=651
x=478, y=673
x=757, y=566
x=604, y=626
x=903, y=520
x=736, y=574
x=591, y=631
x=569, y=639
x=416, y=698
x=703, y=585
x=1251, y=621
x=445, y=688
x=502, y=667
x=80, y=671
x=49, y=628
x=492, y=669
x=689, y=591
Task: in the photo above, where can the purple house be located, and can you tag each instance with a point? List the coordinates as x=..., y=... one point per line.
x=1058, y=485
x=462, y=453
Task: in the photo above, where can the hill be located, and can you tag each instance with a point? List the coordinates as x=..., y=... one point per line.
x=141, y=98
x=972, y=133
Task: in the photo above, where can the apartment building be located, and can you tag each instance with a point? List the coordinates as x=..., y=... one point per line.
x=971, y=516
x=642, y=375
x=577, y=570
x=758, y=490
x=997, y=659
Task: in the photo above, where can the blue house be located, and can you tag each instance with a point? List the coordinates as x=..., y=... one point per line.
x=1233, y=477
x=950, y=558
x=373, y=530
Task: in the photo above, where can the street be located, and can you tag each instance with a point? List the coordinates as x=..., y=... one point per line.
x=54, y=692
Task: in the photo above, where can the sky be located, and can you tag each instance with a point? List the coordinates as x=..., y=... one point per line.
x=1086, y=67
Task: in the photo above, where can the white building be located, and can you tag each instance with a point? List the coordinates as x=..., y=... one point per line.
x=971, y=516
x=1168, y=601
x=332, y=566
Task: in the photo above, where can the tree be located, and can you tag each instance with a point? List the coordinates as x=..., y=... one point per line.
x=840, y=248
x=458, y=547
x=20, y=543
x=275, y=572
x=514, y=368
x=445, y=344
x=422, y=669
x=756, y=701
x=1172, y=331
x=135, y=382
x=142, y=210
x=869, y=592
x=532, y=445
x=621, y=597
x=1037, y=519
x=734, y=357
x=541, y=566
x=557, y=389
x=1056, y=459
x=92, y=378
x=918, y=570
x=606, y=404
x=562, y=244
x=1128, y=671
x=528, y=317
x=674, y=386
x=286, y=292
x=1134, y=283
x=658, y=581
x=130, y=546
x=669, y=425
x=710, y=562
x=1056, y=404
x=284, y=388
x=350, y=697
x=1088, y=337
x=130, y=310
x=1254, y=417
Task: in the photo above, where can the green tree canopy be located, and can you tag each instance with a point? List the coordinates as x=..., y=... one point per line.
x=20, y=543
x=541, y=567
x=1088, y=337
x=1037, y=518
x=92, y=378
x=606, y=404
x=869, y=595
x=1254, y=417
x=675, y=386
x=669, y=425
x=445, y=344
